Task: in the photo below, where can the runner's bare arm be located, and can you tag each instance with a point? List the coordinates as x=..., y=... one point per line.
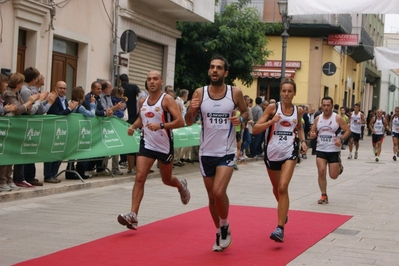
x=264, y=122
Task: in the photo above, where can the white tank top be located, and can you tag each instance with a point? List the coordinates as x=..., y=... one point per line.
x=162, y=139
x=328, y=132
x=281, y=136
x=379, y=126
x=218, y=135
x=355, y=121
x=395, y=124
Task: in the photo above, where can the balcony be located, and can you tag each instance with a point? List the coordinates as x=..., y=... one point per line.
x=315, y=25
x=309, y=25
x=365, y=50
x=320, y=25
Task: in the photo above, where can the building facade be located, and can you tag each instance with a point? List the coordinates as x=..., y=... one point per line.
x=321, y=68
x=80, y=41
x=389, y=94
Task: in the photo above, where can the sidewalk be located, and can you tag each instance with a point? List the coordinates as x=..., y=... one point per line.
x=68, y=185
x=33, y=226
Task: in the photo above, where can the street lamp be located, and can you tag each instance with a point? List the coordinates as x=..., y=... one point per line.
x=283, y=9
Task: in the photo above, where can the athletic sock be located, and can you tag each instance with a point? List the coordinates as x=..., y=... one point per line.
x=223, y=222
x=281, y=227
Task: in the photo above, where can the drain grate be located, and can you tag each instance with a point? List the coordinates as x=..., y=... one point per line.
x=346, y=232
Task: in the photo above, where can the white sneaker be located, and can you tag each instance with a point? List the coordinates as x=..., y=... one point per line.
x=133, y=172
x=117, y=172
x=91, y=173
x=13, y=186
x=355, y=154
x=5, y=187
x=88, y=173
x=184, y=192
x=129, y=220
x=225, y=237
x=216, y=247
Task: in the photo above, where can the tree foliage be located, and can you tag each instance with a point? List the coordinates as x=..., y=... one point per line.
x=237, y=33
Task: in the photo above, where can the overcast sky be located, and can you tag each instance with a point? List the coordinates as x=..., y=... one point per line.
x=391, y=23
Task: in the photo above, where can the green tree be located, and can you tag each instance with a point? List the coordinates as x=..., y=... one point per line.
x=238, y=34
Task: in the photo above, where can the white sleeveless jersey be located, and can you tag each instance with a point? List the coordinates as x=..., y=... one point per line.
x=395, y=124
x=218, y=135
x=355, y=121
x=162, y=139
x=328, y=132
x=281, y=136
x=379, y=126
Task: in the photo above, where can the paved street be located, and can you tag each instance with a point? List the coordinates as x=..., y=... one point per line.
x=58, y=216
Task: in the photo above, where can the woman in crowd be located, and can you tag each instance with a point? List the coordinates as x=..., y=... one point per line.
x=12, y=97
x=78, y=95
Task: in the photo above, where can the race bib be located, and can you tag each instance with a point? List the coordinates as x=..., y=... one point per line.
x=284, y=137
x=325, y=138
x=218, y=120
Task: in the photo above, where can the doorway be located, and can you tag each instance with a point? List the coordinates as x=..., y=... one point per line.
x=64, y=64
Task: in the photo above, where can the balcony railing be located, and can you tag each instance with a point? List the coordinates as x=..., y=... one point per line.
x=367, y=42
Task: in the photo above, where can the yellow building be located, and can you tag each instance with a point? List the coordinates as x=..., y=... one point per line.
x=318, y=69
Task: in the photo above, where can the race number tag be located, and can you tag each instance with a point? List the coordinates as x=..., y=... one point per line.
x=218, y=120
x=325, y=138
x=284, y=137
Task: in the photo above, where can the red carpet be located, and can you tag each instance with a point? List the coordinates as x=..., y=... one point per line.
x=187, y=239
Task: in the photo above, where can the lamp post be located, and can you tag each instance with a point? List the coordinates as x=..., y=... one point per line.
x=283, y=9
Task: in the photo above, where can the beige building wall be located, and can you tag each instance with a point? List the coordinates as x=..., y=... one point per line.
x=96, y=28
x=72, y=23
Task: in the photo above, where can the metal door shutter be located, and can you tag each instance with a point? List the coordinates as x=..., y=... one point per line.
x=145, y=57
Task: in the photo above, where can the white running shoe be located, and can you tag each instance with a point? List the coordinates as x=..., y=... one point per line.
x=216, y=247
x=13, y=186
x=129, y=220
x=5, y=187
x=225, y=236
x=184, y=193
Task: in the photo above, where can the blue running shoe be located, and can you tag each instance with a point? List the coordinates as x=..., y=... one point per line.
x=277, y=235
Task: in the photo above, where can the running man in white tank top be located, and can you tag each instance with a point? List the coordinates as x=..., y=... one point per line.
x=394, y=125
x=283, y=124
x=156, y=144
x=328, y=128
x=378, y=124
x=356, y=120
x=216, y=104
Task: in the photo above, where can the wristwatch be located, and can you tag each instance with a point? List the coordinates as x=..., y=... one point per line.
x=342, y=140
x=162, y=125
x=241, y=119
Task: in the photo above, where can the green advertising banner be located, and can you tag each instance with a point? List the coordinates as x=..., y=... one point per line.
x=47, y=138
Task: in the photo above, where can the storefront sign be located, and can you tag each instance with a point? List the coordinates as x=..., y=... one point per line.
x=343, y=39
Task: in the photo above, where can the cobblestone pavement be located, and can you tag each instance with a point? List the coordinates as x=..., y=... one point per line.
x=35, y=222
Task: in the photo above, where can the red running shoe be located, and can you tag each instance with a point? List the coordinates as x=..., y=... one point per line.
x=24, y=184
